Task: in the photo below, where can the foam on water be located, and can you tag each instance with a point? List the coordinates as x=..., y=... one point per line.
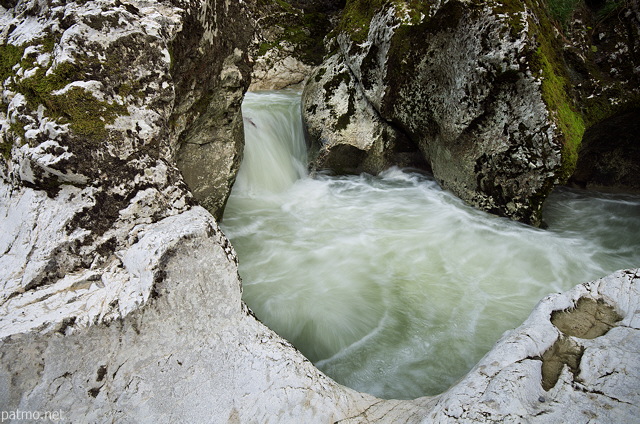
x=389, y=284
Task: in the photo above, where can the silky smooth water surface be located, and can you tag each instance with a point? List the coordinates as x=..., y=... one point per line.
x=389, y=284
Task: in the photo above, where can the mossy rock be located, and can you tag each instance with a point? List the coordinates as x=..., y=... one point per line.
x=10, y=56
x=528, y=83
x=304, y=31
x=86, y=115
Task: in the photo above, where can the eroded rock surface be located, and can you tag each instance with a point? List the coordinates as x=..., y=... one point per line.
x=353, y=137
x=192, y=353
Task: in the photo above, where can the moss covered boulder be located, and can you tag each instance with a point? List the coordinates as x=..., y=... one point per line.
x=481, y=89
x=603, y=56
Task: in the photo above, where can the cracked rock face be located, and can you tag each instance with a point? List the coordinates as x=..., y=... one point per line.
x=480, y=89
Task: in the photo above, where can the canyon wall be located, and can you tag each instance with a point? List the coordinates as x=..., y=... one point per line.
x=494, y=97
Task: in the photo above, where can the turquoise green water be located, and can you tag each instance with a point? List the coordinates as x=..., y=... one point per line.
x=387, y=283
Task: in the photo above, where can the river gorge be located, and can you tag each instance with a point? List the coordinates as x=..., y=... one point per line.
x=389, y=284
x=391, y=238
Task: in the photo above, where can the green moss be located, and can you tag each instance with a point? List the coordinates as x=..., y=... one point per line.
x=570, y=122
x=86, y=114
x=281, y=3
x=126, y=89
x=286, y=6
x=357, y=14
x=5, y=148
x=172, y=62
x=563, y=10
x=416, y=9
x=10, y=56
x=17, y=130
x=265, y=47
x=37, y=89
x=356, y=18
x=547, y=61
x=514, y=10
x=48, y=44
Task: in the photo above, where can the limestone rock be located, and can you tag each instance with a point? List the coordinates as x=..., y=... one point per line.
x=85, y=107
x=211, y=71
x=273, y=71
x=347, y=133
x=191, y=353
x=288, y=41
x=481, y=89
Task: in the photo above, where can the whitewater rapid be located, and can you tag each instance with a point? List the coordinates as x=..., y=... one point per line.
x=389, y=284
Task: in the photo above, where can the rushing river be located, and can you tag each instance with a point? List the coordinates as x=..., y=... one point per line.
x=389, y=284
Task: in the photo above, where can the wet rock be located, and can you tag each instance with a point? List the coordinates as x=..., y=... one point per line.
x=610, y=155
x=211, y=71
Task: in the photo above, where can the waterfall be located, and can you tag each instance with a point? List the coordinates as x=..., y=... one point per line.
x=275, y=153
x=388, y=283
